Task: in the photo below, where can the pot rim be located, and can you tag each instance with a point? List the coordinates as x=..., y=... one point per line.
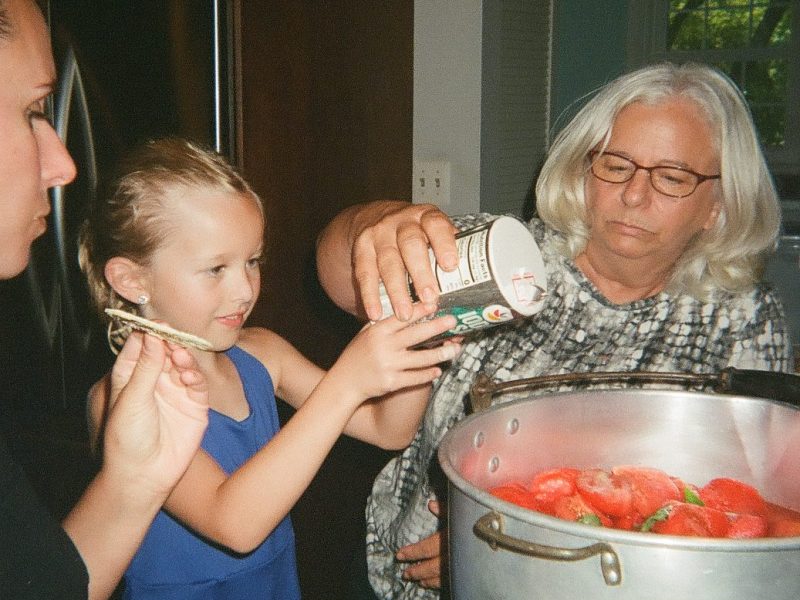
x=594, y=533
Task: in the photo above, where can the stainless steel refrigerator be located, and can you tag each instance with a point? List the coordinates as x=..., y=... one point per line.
x=128, y=70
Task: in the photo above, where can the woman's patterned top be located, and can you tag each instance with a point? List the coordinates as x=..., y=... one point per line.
x=578, y=330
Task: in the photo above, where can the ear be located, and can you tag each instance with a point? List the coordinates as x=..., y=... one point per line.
x=127, y=278
x=713, y=216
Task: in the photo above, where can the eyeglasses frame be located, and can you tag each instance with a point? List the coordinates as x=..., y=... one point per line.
x=700, y=177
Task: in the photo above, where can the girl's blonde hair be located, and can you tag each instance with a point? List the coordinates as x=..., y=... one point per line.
x=729, y=256
x=131, y=219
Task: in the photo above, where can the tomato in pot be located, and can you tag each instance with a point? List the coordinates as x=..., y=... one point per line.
x=784, y=528
x=744, y=526
x=549, y=486
x=683, y=518
x=731, y=495
x=610, y=494
x=650, y=489
x=576, y=508
x=645, y=499
x=518, y=494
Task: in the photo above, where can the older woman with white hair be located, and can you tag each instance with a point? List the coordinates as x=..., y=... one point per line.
x=655, y=212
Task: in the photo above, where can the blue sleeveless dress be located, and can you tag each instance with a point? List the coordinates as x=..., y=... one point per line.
x=176, y=564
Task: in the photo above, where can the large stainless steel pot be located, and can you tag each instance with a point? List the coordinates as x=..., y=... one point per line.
x=501, y=551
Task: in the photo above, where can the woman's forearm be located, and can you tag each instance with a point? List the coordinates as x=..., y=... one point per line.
x=107, y=525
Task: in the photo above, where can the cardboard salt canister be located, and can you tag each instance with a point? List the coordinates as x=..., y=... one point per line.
x=500, y=277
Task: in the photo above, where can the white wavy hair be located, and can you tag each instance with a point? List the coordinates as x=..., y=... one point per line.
x=730, y=255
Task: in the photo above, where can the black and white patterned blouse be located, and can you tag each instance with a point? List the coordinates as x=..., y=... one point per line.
x=578, y=330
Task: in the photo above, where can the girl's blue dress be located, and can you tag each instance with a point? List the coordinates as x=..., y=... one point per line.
x=176, y=564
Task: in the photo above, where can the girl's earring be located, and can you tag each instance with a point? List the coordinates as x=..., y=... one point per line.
x=143, y=299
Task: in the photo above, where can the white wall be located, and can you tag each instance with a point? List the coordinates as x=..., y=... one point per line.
x=447, y=94
x=481, y=101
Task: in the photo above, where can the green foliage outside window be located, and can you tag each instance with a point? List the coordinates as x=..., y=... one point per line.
x=747, y=39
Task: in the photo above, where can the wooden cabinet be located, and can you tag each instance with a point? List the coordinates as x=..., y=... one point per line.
x=323, y=97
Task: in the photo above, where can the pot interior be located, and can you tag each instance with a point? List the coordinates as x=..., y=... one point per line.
x=694, y=436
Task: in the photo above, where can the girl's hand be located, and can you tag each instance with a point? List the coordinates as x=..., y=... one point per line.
x=158, y=412
x=379, y=360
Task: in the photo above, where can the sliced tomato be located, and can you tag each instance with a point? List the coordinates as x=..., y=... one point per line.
x=611, y=495
x=680, y=483
x=692, y=520
x=732, y=495
x=550, y=485
x=744, y=526
x=516, y=493
x=629, y=522
x=575, y=508
x=651, y=488
x=784, y=528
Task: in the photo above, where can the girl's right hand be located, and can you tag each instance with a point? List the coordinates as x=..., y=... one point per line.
x=380, y=359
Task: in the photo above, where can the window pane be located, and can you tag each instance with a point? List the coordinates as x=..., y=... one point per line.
x=765, y=81
x=732, y=3
x=728, y=29
x=771, y=121
x=742, y=26
x=765, y=89
x=728, y=24
x=783, y=31
x=764, y=85
x=687, y=31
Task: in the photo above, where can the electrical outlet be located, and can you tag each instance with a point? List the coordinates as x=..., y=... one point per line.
x=431, y=182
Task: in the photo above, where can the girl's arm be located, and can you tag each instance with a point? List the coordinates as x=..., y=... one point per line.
x=388, y=422
x=240, y=510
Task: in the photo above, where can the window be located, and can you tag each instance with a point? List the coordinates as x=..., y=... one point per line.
x=757, y=43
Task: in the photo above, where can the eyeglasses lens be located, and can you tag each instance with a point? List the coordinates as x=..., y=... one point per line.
x=667, y=180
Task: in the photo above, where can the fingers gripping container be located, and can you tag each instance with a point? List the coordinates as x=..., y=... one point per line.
x=500, y=277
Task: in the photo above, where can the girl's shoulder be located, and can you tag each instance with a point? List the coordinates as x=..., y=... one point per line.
x=257, y=336
x=97, y=399
x=293, y=375
x=266, y=345
x=100, y=387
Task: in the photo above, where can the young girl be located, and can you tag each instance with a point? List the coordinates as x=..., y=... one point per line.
x=180, y=240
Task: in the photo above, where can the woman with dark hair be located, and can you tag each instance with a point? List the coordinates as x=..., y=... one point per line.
x=159, y=399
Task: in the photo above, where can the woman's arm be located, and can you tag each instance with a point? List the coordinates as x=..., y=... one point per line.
x=158, y=411
x=384, y=241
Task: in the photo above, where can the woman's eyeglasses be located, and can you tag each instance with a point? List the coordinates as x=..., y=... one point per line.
x=670, y=181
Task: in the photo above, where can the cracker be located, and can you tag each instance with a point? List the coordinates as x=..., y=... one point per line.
x=165, y=332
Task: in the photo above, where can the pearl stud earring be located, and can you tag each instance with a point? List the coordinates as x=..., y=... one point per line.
x=143, y=299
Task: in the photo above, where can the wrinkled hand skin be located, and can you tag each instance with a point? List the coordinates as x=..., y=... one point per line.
x=394, y=247
x=425, y=556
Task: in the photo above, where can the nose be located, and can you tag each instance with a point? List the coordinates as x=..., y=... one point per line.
x=637, y=189
x=245, y=286
x=57, y=166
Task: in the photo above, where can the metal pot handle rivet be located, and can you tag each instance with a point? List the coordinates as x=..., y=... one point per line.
x=490, y=529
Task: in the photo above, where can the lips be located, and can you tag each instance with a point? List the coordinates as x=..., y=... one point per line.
x=232, y=321
x=626, y=228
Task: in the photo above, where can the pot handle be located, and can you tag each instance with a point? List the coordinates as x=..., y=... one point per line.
x=490, y=529
x=783, y=387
